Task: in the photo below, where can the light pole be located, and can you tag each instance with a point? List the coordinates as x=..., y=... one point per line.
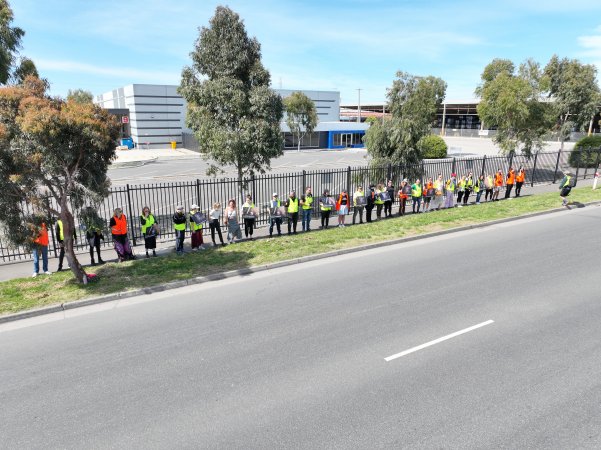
x=359, y=106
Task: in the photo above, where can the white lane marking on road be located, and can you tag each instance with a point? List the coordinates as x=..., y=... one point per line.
x=437, y=341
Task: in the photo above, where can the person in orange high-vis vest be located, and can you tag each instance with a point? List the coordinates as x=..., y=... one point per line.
x=510, y=182
x=40, y=248
x=119, y=232
x=498, y=185
x=428, y=193
x=520, y=178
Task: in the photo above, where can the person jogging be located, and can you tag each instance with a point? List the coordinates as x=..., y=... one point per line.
x=565, y=187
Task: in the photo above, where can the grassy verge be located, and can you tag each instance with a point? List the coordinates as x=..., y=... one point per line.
x=26, y=293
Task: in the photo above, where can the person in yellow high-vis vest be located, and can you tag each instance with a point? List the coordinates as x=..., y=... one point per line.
x=149, y=231
x=195, y=228
x=292, y=205
x=416, y=196
x=179, y=225
x=378, y=200
x=306, y=202
x=60, y=236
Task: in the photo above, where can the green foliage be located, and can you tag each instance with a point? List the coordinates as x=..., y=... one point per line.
x=20, y=294
x=493, y=69
x=413, y=102
x=54, y=155
x=301, y=115
x=80, y=96
x=574, y=92
x=512, y=102
x=233, y=112
x=586, y=152
x=10, y=41
x=25, y=69
x=433, y=147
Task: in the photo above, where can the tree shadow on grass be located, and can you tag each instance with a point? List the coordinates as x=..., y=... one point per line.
x=144, y=273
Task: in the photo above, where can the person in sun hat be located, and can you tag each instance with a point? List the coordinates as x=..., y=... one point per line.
x=195, y=227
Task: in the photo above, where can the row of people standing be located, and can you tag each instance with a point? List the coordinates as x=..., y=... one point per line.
x=439, y=193
x=434, y=194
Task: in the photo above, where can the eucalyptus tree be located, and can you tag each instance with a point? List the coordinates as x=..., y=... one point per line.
x=232, y=110
x=513, y=101
x=574, y=94
x=10, y=42
x=54, y=157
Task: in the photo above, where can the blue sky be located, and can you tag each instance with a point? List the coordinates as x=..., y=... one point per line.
x=99, y=45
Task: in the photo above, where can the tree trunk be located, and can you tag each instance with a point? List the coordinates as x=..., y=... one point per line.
x=298, y=141
x=68, y=228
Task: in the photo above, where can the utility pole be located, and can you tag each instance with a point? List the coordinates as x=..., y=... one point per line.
x=359, y=106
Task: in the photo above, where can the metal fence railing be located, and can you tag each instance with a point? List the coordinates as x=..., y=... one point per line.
x=163, y=198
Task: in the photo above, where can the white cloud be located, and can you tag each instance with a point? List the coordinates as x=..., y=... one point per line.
x=592, y=48
x=136, y=75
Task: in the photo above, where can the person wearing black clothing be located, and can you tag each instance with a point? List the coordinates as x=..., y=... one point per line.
x=292, y=204
x=94, y=236
x=214, y=224
x=179, y=225
x=371, y=201
x=325, y=207
x=469, y=187
x=61, y=242
x=275, y=220
x=388, y=203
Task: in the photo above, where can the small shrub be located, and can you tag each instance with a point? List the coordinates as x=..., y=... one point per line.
x=433, y=147
x=585, y=152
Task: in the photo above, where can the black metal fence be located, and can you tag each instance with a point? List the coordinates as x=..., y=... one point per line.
x=163, y=198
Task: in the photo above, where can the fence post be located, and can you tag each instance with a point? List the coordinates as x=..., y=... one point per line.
x=534, y=169
x=252, y=179
x=453, y=166
x=304, y=180
x=388, y=172
x=483, y=165
x=51, y=229
x=578, y=161
x=511, y=159
x=131, y=216
x=556, y=166
x=198, y=192
x=348, y=180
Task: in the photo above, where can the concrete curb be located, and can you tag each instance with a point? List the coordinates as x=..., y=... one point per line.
x=138, y=163
x=262, y=268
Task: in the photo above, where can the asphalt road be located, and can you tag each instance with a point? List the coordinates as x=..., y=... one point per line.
x=295, y=357
x=190, y=168
x=193, y=167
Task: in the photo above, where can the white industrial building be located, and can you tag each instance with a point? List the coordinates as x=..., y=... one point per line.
x=154, y=116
